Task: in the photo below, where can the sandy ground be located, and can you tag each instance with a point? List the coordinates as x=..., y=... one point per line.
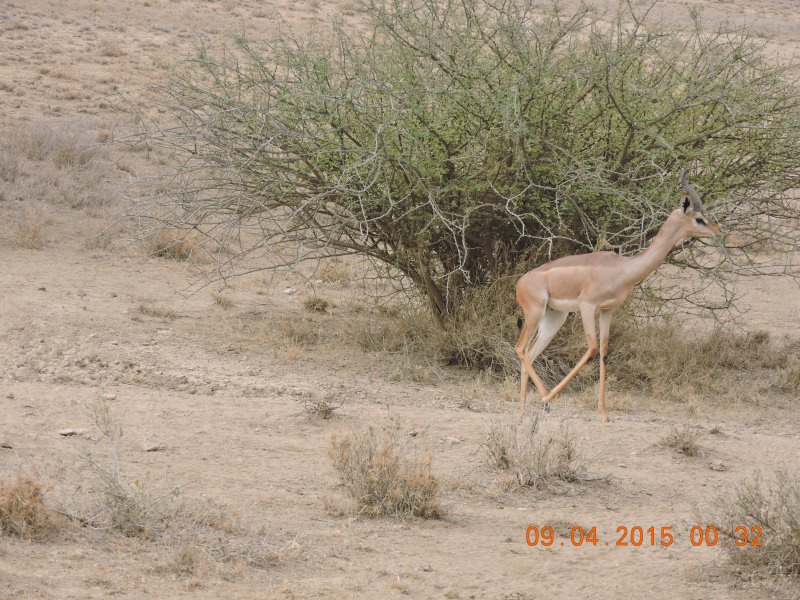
x=223, y=402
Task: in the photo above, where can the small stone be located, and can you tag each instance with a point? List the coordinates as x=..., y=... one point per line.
x=289, y=291
x=453, y=440
x=5, y=444
x=42, y=289
x=717, y=465
x=71, y=432
x=109, y=397
x=10, y=395
x=622, y=466
x=156, y=447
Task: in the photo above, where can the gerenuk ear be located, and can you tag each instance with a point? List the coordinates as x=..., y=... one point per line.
x=686, y=203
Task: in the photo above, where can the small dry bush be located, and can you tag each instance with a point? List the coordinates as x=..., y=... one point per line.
x=23, y=512
x=334, y=271
x=65, y=145
x=536, y=457
x=172, y=243
x=10, y=166
x=204, y=532
x=322, y=406
x=157, y=310
x=384, y=474
x=222, y=300
x=682, y=440
x=30, y=230
x=775, y=509
x=316, y=304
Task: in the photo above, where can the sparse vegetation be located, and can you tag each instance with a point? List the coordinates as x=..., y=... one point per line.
x=30, y=230
x=683, y=440
x=172, y=243
x=316, y=304
x=23, y=512
x=774, y=509
x=161, y=311
x=536, y=458
x=322, y=405
x=222, y=300
x=384, y=474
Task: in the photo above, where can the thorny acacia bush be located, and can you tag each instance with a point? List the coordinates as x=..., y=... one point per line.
x=384, y=474
x=775, y=509
x=459, y=141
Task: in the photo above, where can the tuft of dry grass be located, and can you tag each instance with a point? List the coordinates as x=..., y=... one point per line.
x=384, y=474
x=316, y=304
x=537, y=458
x=65, y=145
x=682, y=440
x=30, y=231
x=222, y=300
x=161, y=311
x=172, y=243
x=10, y=166
x=335, y=271
x=23, y=512
x=774, y=509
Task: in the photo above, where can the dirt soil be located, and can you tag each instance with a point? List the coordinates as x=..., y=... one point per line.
x=210, y=403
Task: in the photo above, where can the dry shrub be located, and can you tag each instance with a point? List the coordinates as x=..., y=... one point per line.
x=222, y=300
x=172, y=243
x=203, y=532
x=775, y=508
x=160, y=311
x=682, y=440
x=30, y=230
x=537, y=458
x=22, y=510
x=10, y=166
x=65, y=145
x=334, y=271
x=322, y=406
x=383, y=473
x=316, y=304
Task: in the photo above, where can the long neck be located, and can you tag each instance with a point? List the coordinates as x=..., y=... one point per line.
x=644, y=263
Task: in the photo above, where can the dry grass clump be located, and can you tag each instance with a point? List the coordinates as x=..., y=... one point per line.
x=65, y=145
x=775, y=509
x=30, y=230
x=204, y=533
x=322, y=406
x=172, y=243
x=222, y=300
x=10, y=166
x=23, y=512
x=334, y=271
x=536, y=457
x=316, y=304
x=682, y=440
x=384, y=474
x=161, y=311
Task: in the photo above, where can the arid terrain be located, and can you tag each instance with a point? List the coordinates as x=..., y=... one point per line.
x=200, y=400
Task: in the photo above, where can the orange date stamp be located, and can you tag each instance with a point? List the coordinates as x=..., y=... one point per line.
x=637, y=536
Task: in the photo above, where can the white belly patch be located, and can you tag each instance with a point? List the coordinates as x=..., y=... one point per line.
x=562, y=305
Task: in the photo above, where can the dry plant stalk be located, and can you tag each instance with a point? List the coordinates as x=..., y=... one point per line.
x=384, y=474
